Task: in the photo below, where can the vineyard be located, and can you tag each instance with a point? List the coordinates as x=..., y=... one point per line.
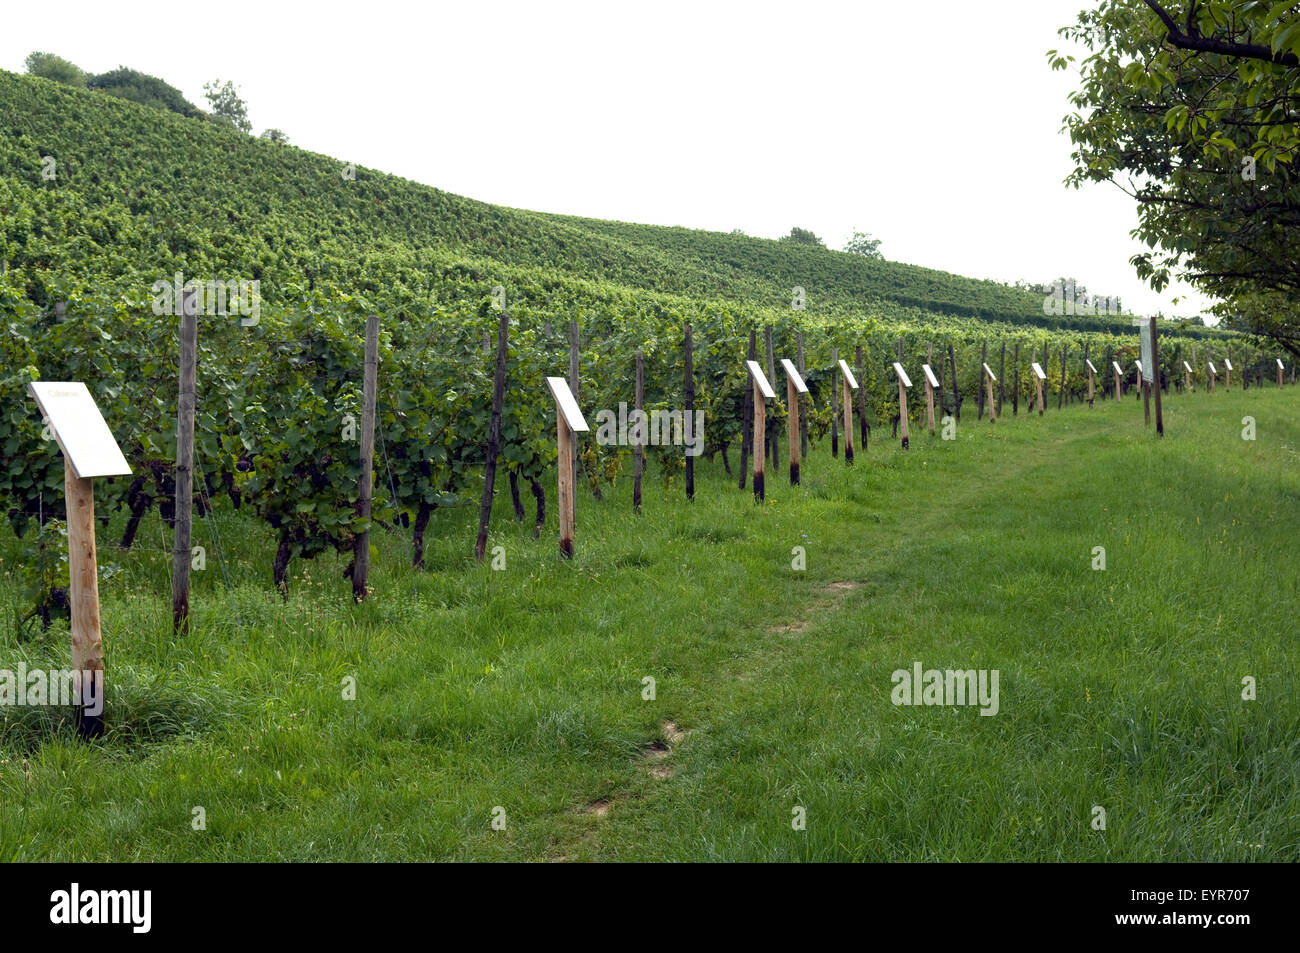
x=328, y=244
x=602, y=703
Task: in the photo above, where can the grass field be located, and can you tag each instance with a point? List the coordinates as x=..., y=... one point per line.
x=522, y=689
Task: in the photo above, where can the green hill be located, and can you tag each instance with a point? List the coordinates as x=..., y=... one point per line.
x=138, y=193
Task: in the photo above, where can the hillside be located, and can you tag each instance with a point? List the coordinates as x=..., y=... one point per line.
x=139, y=193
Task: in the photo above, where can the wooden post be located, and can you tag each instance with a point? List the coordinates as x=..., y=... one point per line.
x=1155, y=375
x=1015, y=386
x=988, y=381
x=182, y=540
x=760, y=435
x=803, y=403
x=835, y=408
x=83, y=597
x=1116, y=369
x=564, y=443
x=1091, y=385
x=361, y=550
x=792, y=427
x=747, y=429
x=771, y=375
x=984, y=362
x=848, y=423
x=89, y=450
x=863, y=426
x=1227, y=375
x=1213, y=375
x=638, y=451
x=1038, y=382
x=575, y=343
x=690, y=412
x=902, y=397
x=956, y=395
x=1187, y=378
x=1060, y=398
x=929, y=406
x=1279, y=373
x=568, y=420
x=1002, y=376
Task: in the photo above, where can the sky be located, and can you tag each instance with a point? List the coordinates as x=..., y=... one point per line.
x=934, y=127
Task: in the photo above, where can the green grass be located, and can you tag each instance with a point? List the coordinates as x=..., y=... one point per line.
x=523, y=688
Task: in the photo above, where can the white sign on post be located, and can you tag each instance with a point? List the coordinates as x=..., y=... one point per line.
x=79, y=428
x=792, y=372
x=989, y=371
x=568, y=405
x=902, y=374
x=1039, y=371
x=1090, y=367
x=929, y=376
x=1188, y=366
x=1213, y=369
x=1139, y=366
x=853, y=381
x=1280, y=367
x=1227, y=363
x=761, y=379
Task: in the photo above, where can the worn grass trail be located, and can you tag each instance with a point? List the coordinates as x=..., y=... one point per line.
x=518, y=694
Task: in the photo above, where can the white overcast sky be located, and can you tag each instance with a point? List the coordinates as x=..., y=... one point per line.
x=935, y=127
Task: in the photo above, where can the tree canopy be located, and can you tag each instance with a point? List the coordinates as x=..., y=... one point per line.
x=49, y=66
x=1191, y=108
x=803, y=236
x=861, y=243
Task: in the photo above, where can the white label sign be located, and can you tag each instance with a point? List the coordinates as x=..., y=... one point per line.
x=1188, y=366
x=760, y=379
x=929, y=376
x=1090, y=367
x=1279, y=365
x=902, y=374
x=1039, y=371
x=79, y=428
x=1115, y=364
x=1139, y=366
x=568, y=406
x=848, y=374
x=792, y=373
x=1213, y=369
x=989, y=371
x=1227, y=363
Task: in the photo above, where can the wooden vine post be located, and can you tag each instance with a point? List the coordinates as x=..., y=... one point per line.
x=183, y=538
x=89, y=451
x=762, y=393
x=690, y=411
x=1060, y=397
x=1118, y=373
x=1002, y=375
x=771, y=375
x=794, y=387
x=1039, y=377
x=1214, y=373
x=1187, y=377
x=931, y=385
x=1092, y=373
x=1015, y=386
x=638, y=447
x=1146, y=391
x=1280, y=369
x=850, y=385
x=989, y=380
x=568, y=421
x=1227, y=375
x=903, y=384
x=370, y=383
x=747, y=425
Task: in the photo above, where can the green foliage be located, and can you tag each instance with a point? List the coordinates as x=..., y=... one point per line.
x=56, y=68
x=227, y=106
x=275, y=135
x=143, y=89
x=861, y=243
x=1192, y=109
x=802, y=236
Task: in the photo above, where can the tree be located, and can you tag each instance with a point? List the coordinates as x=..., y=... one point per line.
x=863, y=244
x=144, y=89
x=275, y=135
x=802, y=236
x=49, y=66
x=226, y=105
x=1191, y=108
